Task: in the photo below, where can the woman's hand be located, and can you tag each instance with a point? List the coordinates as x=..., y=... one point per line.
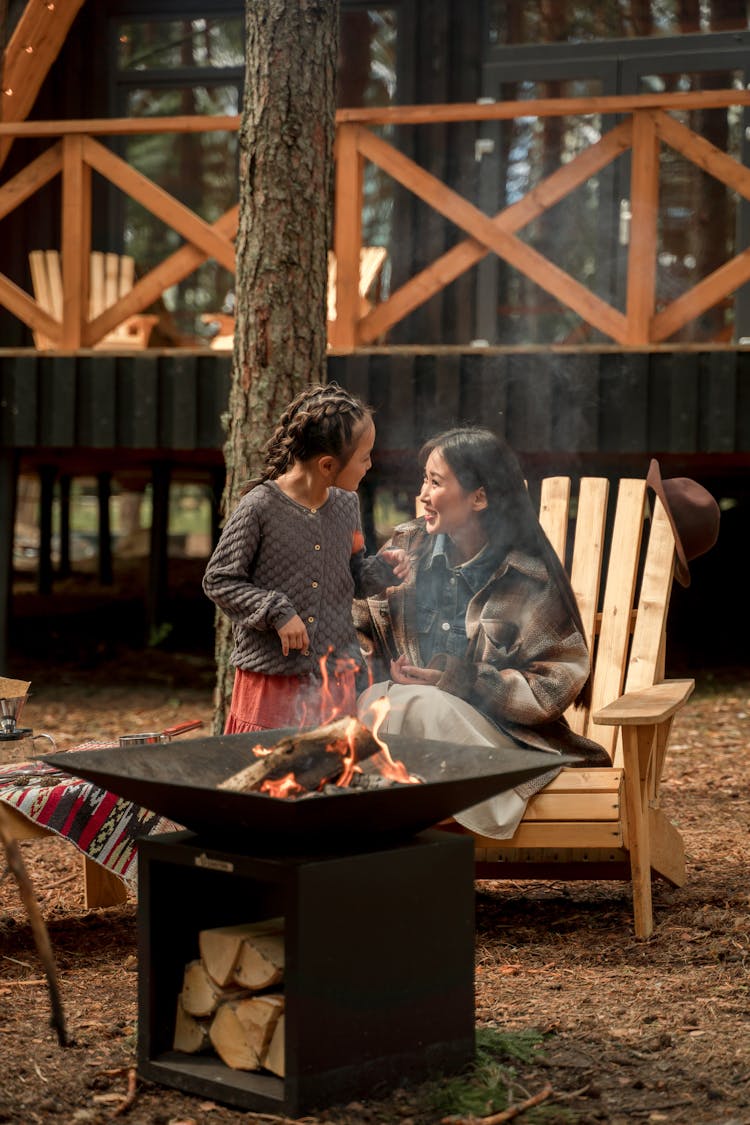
x=403, y=673
x=293, y=634
x=398, y=560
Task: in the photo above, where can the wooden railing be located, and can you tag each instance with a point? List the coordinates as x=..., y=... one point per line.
x=645, y=122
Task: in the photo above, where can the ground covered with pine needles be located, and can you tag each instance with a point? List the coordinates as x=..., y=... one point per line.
x=577, y=1020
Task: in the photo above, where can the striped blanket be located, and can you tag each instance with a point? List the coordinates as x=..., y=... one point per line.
x=100, y=824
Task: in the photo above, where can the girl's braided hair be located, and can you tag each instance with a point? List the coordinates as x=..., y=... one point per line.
x=323, y=419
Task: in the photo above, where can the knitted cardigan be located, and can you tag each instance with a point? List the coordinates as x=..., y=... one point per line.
x=276, y=558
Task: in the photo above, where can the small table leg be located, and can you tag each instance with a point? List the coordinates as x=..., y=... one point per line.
x=101, y=887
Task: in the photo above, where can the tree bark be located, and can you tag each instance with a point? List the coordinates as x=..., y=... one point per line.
x=286, y=177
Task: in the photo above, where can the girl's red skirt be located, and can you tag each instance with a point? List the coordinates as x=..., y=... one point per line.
x=262, y=702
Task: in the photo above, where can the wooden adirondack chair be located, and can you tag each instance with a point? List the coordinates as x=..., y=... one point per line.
x=111, y=276
x=606, y=823
x=371, y=262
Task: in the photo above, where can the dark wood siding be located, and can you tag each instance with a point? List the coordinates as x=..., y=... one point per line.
x=601, y=408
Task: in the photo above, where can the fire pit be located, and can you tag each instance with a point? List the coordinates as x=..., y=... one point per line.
x=377, y=914
x=179, y=781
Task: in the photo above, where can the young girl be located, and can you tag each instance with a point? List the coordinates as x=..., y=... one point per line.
x=290, y=560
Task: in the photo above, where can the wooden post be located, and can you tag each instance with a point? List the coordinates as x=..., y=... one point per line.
x=158, y=559
x=47, y=476
x=8, y=486
x=76, y=241
x=644, y=205
x=347, y=237
x=218, y=477
x=103, y=489
x=63, y=566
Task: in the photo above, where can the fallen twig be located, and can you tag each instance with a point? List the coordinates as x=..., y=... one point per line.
x=38, y=928
x=21, y=983
x=505, y=1115
x=129, y=1098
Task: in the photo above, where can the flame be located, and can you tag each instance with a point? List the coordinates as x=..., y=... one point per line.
x=348, y=752
x=338, y=701
x=262, y=751
x=287, y=786
x=390, y=769
x=345, y=669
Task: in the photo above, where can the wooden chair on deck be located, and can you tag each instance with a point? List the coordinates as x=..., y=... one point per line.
x=607, y=823
x=111, y=277
x=371, y=262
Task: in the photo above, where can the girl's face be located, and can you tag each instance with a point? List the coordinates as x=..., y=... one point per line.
x=448, y=508
x=350, y=474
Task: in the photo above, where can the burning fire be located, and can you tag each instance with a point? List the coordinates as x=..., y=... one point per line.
x=337, y=705
x=284, y=787
x=393, y=770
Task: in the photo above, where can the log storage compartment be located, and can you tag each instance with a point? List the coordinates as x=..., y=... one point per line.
x=378, y=978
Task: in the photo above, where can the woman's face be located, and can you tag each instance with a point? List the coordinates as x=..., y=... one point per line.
x=350, y=474
x=448, y=508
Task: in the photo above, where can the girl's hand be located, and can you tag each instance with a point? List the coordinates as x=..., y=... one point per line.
x=293, y=634
x=398, y=559
x=403, y=673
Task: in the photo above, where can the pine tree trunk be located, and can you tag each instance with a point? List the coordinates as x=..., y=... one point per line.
x=286, y=176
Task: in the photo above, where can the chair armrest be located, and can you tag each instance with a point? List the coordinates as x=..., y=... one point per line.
x=646, y=707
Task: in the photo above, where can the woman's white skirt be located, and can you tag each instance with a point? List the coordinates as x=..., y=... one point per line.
x=424, y=711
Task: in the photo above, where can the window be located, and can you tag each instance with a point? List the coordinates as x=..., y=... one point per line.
x=181, y=67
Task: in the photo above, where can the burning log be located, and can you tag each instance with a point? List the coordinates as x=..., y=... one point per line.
x=250, y=955
x=306, y=761
x=242, y=1030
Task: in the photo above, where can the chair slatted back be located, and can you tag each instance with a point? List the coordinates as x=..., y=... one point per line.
x=647, y=652
x=613, y=642
x=371, y=261
x=626, y=640
x=554, y=505
x=46, y=278
x=586, y=568
x=111, y=276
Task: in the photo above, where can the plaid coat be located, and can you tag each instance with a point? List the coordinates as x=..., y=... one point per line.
x=525, y=661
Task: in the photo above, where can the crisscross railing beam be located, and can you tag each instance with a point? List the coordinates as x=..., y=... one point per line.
x=648, y=123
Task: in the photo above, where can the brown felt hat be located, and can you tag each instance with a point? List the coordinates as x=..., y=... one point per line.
x=693, y=514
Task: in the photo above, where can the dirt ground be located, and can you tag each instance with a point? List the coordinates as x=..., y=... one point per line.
x=651, y=1031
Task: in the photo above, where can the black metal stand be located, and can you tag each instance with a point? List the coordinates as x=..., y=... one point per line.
x=379, y=974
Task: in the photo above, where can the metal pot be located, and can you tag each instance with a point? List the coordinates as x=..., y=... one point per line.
x=153, y=736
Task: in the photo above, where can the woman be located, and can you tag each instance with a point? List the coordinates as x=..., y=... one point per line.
x=483, y=644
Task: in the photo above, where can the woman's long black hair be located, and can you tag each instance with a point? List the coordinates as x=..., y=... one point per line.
x=481, y=459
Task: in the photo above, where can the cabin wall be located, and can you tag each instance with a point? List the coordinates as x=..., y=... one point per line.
x=599, y=410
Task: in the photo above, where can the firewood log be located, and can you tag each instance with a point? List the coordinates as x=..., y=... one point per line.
x=220, y=947
x=273, y=1059
x=201, y=995
x=241, y=1030
x=260, y=963
x=190, y=1034
x=307, y=756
